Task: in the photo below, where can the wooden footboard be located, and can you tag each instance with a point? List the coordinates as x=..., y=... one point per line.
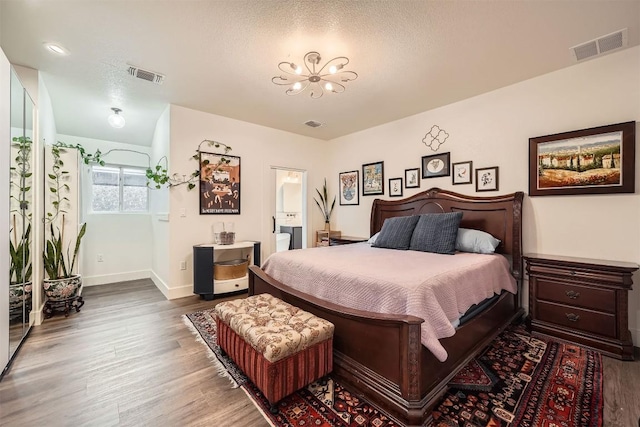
x=380, y=355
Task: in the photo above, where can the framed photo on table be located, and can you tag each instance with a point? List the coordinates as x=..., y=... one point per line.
x=412, y=178
x=599, y=160
x=373, y=178
x=348, y=184
x=462, y=173
x=219, y=184
x=487, y=179
x=395, y=187
x=436, y=165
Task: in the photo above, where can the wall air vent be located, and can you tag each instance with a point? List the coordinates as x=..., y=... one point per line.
x=313, y=124
x=600, y=46
x=147, y=75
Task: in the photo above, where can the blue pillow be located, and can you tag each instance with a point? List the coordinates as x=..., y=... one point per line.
x=436, y=233
x=477, y=241
x=396, y=232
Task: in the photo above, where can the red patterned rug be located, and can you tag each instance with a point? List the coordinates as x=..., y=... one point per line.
x=517, y=381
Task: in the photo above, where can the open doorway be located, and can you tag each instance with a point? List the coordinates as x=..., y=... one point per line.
x=290, y=210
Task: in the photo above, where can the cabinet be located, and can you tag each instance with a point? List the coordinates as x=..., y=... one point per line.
x=582, y=300
x=323, y=236
x=204, y=283
x=296, y=235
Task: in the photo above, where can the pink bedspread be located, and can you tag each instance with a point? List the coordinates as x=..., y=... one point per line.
x=436, y=288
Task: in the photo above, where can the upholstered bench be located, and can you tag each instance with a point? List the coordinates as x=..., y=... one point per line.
x=279, y=347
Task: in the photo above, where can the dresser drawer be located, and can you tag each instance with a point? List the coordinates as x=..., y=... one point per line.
x=576, y=318
x=576, y=295
x=574, y=273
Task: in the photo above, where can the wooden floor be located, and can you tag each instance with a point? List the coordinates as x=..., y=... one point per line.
x=128, y=359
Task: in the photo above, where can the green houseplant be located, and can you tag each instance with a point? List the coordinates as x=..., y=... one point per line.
x=323, y=204
x=62, y=283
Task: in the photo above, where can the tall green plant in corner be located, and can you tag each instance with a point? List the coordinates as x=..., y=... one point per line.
x=62, y=283
x=323, y=204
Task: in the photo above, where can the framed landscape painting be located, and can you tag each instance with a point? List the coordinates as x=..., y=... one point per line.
x=219, y=184
x=598, y=160
x=373, y=178
x=349, y=188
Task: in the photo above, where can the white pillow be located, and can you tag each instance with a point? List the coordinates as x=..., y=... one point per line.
x=469, y=240
x=373, y=238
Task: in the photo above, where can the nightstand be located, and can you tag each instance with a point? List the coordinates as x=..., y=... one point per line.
x=323, y=236
x=582, y=300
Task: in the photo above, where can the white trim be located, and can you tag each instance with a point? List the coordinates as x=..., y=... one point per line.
x=171, y=293
x=115, y=277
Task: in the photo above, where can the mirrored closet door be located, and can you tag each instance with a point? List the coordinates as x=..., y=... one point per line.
x=20, y=214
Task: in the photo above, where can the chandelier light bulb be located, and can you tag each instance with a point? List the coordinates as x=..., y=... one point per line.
x=115, y=119
x=328, y=86
x=333, y=69
x=297, y=85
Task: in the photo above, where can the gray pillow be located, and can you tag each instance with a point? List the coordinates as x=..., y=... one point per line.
x=477, y=241
x=396, y=232
x=436, y=233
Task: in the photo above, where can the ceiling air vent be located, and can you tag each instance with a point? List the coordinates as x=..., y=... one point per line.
x=600, y=46
x=313, y=124
x=147, y=75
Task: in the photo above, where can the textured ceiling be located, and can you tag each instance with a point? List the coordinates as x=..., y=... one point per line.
x=220, y=56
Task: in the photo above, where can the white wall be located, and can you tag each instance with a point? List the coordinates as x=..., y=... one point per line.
x=5, y=137
x=493, y=130
x=159, y=208
x=123, y=240
x=259, y=148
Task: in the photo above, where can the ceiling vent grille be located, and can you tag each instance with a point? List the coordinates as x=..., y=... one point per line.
x=600, y=46
x=147, y=75
x=313, y=124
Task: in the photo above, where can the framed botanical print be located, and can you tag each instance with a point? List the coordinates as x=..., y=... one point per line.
x=487, y=179
x=395, y=187
x=462, y=173
x=436, y=165
x=348, y=185
x=373, y=178
x=412, y=178
x=219, y=184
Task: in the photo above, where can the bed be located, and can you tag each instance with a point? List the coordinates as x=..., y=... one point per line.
x=381, y=355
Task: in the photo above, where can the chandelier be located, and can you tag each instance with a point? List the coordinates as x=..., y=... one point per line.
x=318, y=79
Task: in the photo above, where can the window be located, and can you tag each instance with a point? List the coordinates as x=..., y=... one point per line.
x=119, y=189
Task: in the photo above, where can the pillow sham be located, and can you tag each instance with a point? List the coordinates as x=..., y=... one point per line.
x=436, y=233
x=373, y=238
x=470, y=240
x=396, y=232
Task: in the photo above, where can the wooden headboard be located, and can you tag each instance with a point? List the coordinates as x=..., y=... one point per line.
x=500, y=216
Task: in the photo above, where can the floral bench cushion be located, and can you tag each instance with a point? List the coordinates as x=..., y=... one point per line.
x=273, y=327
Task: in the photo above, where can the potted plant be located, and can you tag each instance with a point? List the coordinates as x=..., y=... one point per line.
x=20, y=271
x=62, y=283
x=323, y=205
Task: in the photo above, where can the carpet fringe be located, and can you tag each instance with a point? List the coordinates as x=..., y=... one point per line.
x=220, y=368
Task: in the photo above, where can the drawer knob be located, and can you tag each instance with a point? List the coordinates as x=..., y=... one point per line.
x=573, y=317
x=237, y=285
x=573, y=294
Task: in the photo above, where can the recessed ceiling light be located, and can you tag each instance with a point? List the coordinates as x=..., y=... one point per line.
x=56, y=48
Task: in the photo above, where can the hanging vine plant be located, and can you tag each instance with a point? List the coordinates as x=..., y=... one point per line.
x=158, y=174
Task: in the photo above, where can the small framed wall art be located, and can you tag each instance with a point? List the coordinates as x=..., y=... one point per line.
x=436, y=165
x=349, y=193
x=219, y=184
x=373, y=178
x=395, y=187
x=462, y=173
x=487, y=179
x=598, y=160
x=412, y=178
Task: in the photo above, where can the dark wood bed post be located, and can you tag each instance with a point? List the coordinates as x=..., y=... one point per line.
x=380, y=356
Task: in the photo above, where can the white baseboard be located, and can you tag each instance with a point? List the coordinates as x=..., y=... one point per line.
x=171, y=293
x=116, y=277
x=635, y=336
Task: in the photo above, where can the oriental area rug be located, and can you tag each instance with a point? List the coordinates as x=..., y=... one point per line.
x=518, y=380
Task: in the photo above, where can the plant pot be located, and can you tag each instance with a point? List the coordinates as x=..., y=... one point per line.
x=63, y=289
x=19, y=297
x=327, y=226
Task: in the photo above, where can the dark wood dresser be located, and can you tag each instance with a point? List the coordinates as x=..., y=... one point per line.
x=582, y=300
